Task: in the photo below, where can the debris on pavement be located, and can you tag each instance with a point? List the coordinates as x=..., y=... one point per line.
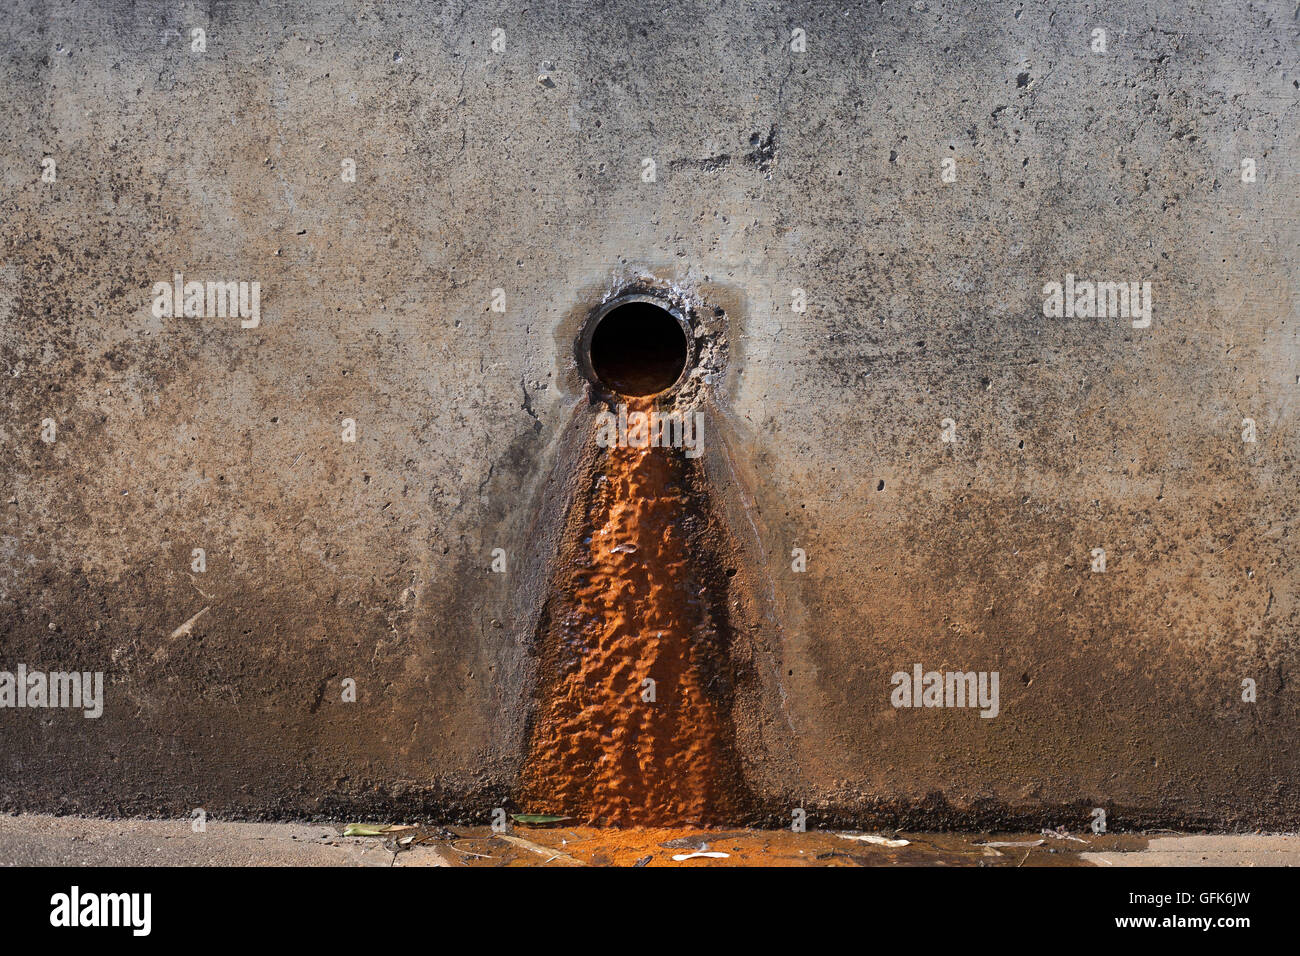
x=552, y=855
x=373, y=829
x=873, y=838
x=538, y=819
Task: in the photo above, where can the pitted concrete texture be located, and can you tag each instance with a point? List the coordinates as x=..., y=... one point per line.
x=518, y=161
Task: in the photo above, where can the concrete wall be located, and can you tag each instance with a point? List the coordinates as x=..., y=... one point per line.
x=775, y=170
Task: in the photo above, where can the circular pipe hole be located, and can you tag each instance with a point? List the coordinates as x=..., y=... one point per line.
x=636, y=346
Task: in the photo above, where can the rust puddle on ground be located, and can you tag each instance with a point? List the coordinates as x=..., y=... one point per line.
x=650, y=846
x=632, y=727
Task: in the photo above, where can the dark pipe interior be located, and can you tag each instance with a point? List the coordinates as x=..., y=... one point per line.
x=638, y=349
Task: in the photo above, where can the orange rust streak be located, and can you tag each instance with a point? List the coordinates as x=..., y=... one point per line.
x=632, y=610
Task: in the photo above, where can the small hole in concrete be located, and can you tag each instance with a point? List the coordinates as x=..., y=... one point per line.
x=638, y=348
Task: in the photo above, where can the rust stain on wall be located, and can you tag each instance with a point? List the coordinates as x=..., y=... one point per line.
x=629, y=606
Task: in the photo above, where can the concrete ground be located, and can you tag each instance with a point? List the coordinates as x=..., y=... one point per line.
x=37, y=840
x=1272, y=849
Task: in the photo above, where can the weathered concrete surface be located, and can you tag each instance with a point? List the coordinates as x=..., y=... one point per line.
x=1217, y=850
x=775, y=170
x=36, y=840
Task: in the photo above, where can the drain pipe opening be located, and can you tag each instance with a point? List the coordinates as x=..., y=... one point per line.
x=636, y=346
